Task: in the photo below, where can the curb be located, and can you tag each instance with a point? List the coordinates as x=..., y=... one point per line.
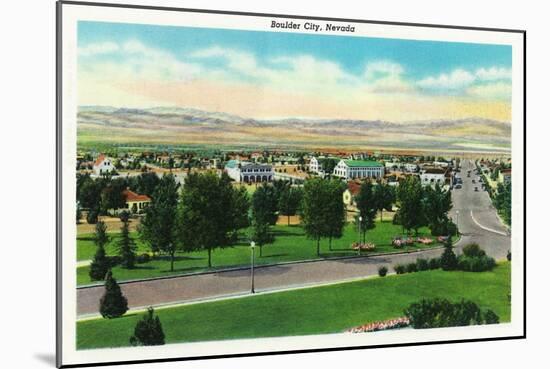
x=235, y=269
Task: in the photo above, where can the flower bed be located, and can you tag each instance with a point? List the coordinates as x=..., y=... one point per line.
x=382, y=325
x=399, y=242
x=425, y=240
x=369, y=246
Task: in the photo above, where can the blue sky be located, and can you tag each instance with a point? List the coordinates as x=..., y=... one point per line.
x=271, y=62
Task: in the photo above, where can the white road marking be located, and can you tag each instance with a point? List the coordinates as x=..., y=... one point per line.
x=486, y=228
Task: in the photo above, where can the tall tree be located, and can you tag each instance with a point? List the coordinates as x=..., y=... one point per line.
x=264, y=207
x=335, y=213
x=113, y=303
x=147, y=183
x=240, y=207
x=204, y=216
x=148, y=331
x=158, y=227
x=437, y=204
x=314, y=209
x=411, y=213
x=126, y=246
x=367, y=208
x=111, y=195
x=289, y=201
x=100, y=263
x=384, y=197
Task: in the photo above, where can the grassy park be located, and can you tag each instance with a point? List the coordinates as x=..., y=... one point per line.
x=317, y=310
x=290, y=244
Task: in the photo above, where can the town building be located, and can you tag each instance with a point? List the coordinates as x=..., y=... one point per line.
x=433, y=176
x=351, y=169
x=245, y=171
x=103, y=165
x=135, y=203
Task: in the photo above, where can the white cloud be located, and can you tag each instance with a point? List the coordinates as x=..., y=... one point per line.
x=456, y=80
x=491, y=91
x=98, y=48
x=494, y=74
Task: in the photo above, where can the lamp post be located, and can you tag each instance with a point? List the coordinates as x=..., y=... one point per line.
x=360, y=228
x=457, y=212
x=252, y=246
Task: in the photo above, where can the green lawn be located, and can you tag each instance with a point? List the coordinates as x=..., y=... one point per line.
x=317, y=310
x=290, y=244
x=86, y=248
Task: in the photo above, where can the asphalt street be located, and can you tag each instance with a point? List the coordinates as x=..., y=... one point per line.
x=477, y=221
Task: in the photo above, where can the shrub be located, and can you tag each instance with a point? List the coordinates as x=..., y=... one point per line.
x=435, y=313
x=112, y=304
x=411, y=268
x=148, y=331
x=382, y=271
x=124, y=216
x=490, y=317
x=434, y=263
x=92, y=216
x=448, y=260
x=422, y=264
x=399, y=269
x=473, y=250
x=143, y=258
x=509, y=256
x=100, y=265
x=476, y=264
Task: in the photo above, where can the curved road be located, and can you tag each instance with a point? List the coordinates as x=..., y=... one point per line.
x=477, y=222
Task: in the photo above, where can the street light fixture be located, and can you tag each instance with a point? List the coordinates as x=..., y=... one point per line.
x=360, y=228
x=457, y=212
x=252, y=247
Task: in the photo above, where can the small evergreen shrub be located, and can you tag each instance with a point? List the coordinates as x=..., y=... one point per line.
x=434, y=263
x=92, y=217
x=99, y=266
x=422, y=264
x=382, y=271
x=113, y=303
x=411, y=268
x=473, y=250
x=399, y=269
x=448, y=260
x=148, y=331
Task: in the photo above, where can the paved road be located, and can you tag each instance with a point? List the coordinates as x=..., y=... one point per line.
x=181, y=289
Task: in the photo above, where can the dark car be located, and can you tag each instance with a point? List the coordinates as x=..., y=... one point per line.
x=458, y=186
x=476, y=189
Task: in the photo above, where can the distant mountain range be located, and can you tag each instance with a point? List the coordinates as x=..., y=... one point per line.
x=180, y=126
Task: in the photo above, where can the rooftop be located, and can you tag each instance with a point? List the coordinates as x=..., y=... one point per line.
x=362, y=163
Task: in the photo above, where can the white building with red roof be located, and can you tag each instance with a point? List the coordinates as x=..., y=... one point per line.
x=135, y=203
x=103, y=165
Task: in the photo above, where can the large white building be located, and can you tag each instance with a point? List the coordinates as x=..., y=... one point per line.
x=103, y=165
x=245, y=171
x=351, y=169
x=433, y=176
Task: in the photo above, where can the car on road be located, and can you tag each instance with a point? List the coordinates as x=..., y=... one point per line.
x=458, y=186
x=476, y=189
x=473, y=180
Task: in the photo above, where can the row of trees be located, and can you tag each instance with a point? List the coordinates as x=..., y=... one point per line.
x=420, y=206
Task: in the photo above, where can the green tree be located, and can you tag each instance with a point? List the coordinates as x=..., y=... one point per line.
x=503, y=201
x=264, y=207
x=411, y=213
x=148, y=331
x=158, y=227
x=89, y=191
x=126, y=246
x=147, y=183
x=113, y=303
x=289, y=201
x=448, y=260
x=240, y=207
x=367, y=206
x=204, y=216
x=100, y=263
x=78, y=213
x=112, y=196
x=328, y=165
x=335, y=213
x=437, y=204
x=384, y=197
